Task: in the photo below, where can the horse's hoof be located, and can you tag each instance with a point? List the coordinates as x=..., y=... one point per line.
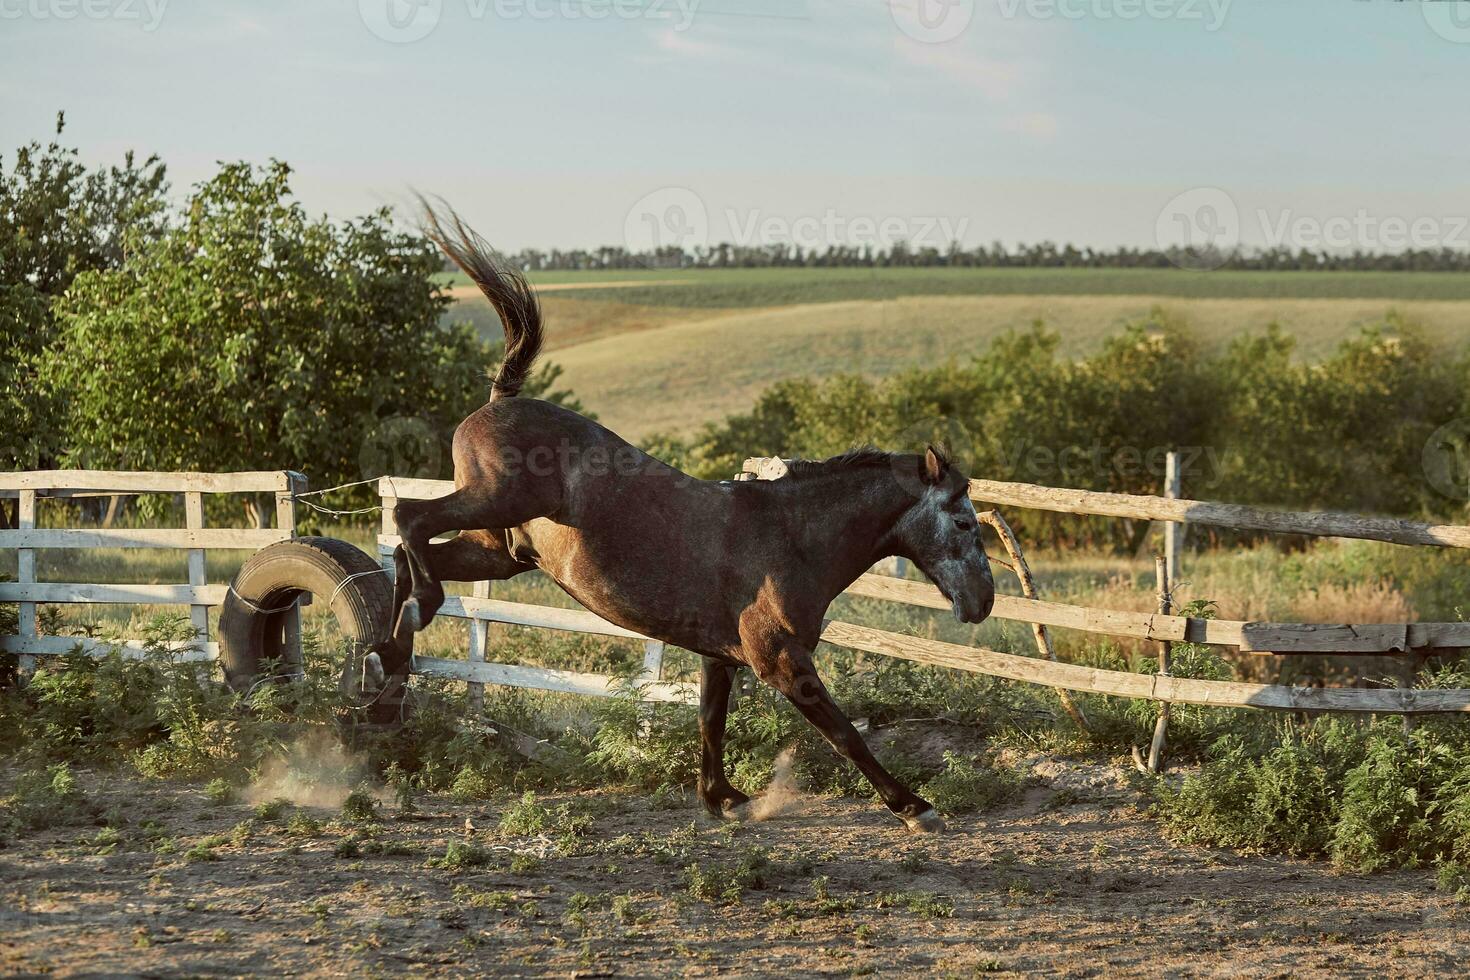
x=373, y=674
x=740, y=812
x=409, y=620
x=927, y=822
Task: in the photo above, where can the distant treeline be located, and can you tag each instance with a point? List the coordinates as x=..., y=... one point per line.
x=1044, y=255
x=1381, y=426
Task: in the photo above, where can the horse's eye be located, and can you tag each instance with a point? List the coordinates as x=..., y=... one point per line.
x=963, y=524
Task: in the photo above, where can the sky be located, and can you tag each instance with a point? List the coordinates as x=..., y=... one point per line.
x=577, y=123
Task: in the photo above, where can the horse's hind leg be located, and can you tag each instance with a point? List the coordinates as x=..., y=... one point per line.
x=473, y=556
x=787, y=666
x=719, y=797
x=418, y=521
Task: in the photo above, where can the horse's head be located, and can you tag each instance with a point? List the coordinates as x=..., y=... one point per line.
x=941, y=535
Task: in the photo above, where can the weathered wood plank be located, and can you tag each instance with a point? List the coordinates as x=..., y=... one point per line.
x=409, y=488
x=479, y=645
x=61, y=645
x=1149, y=508
x=194, y=520
x=1147, y=686
x=548, y=679
x=26, y=572
x=1146, y=626
x=57, y=483
x=388, y=542
x=523, y=614
x=248, y=539
x=1365, y=638
x=67, y=592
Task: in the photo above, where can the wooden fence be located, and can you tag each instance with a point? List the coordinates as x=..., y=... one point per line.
x=480, y=610
x=194, y=537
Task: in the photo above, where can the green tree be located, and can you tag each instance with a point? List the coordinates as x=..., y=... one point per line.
x=58, y=219
x=251, y=336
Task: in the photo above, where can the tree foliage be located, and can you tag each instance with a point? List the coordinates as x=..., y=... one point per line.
x=252, y=336
x=1253, y=423
x=58, y=220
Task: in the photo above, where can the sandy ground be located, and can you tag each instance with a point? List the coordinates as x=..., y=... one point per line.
x=1071, y=881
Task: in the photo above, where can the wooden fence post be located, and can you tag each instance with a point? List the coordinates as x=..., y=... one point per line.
x=1173, y=530
x=479, y=644
x=286, y=520
x=25, y=574
x=1161, y=727
x=198, y=571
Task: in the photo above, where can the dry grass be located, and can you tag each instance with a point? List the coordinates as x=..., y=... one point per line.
x=647, y=369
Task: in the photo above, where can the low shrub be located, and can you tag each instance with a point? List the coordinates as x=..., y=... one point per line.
x=967, y=785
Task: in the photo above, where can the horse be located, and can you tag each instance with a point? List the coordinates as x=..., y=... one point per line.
x=740, y=573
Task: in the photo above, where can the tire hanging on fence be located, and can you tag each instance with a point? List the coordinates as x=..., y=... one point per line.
x=256, y=611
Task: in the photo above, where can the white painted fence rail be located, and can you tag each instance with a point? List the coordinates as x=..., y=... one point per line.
x=480, y=610
x=29, y=487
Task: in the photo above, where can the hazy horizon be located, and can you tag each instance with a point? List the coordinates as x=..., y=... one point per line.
x=1100, y=123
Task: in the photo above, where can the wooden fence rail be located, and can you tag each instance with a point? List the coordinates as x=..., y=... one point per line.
x=194, y=538
x=480, y=610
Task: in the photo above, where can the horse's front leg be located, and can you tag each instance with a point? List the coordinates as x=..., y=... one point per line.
x=720, y=798
x=786, y=665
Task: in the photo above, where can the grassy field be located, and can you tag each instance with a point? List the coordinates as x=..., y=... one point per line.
x=695, y=346
x=783, y=286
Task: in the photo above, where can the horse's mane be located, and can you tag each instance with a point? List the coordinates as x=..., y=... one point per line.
x=859, y=457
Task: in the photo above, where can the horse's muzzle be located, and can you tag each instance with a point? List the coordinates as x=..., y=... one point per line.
x=974, y=608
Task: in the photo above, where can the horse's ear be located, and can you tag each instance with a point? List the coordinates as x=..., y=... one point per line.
x=936, y=465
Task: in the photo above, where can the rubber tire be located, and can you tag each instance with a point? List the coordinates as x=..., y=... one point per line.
x=250, y=634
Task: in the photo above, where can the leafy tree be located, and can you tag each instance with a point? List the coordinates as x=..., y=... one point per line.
x=58, y=219
x=251, y=336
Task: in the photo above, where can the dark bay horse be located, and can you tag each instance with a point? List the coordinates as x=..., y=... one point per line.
x=738, y=572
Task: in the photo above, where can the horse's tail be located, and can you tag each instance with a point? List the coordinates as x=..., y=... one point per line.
x=504, y=286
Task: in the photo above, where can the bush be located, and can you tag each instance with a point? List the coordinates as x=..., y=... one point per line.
x=967, y=785
x=1367, y=797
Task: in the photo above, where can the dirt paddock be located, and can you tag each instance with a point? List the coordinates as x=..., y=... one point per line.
x=1052, y=885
